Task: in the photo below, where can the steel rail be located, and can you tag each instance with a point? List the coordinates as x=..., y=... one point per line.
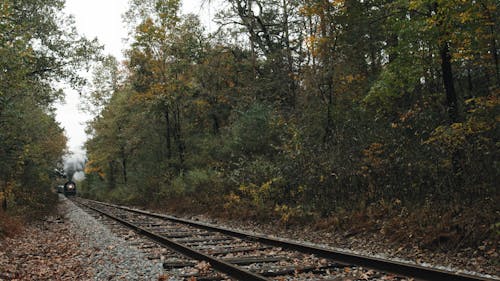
x=222, y=266
x=389, y=266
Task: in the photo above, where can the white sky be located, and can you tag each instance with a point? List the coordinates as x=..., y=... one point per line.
x=102, y=19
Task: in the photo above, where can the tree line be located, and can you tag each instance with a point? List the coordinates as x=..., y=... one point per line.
x=300, y=109
x=39, y=49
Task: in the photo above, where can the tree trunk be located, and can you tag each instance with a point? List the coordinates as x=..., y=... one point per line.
x=494, y=51
x=290, y=76
x=392, y=42
x=451, y=102
x=470, y=86
x=446, y=69
x=4, y=199
x=168, y=133
x=178, y=135
x=124, y=165
x=327, y=54
x=451, y=95
x=111, y=177
x=312, y=32
x=329, y=120
x=216, y=126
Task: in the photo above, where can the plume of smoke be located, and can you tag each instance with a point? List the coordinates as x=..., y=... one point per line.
x=73, y=168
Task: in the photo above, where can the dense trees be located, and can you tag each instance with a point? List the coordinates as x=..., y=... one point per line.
x=305, y=108
x=38, y=47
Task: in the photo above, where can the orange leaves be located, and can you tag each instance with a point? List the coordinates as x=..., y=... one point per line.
x=489, y=102
x=373, y=152
x=232, y=201
x=478, y=127
x=146, y=26
x=457, y=135
x=91, y=167
x=373, y=159
x=317, y=45
x=311, y=45
x=44, y=253
x=201, y=103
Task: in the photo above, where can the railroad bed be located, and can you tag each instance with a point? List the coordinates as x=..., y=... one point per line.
x=206, y=252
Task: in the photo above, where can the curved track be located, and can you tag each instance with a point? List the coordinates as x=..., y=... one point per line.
x=247, y=256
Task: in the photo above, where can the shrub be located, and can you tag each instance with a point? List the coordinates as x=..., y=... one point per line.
x=253, y=132
x=197, y=183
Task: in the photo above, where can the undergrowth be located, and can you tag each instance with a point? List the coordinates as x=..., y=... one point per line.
x=9, y=225
x=26, y=206
x=433, y=226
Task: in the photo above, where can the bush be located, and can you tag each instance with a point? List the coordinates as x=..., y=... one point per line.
x=33, y=202
x=196, y=183
x=253, y=132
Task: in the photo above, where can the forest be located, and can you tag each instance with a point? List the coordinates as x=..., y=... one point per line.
x=368, y=115
x=378, y=115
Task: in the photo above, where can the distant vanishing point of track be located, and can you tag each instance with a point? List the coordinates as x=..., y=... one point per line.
x=246, y=256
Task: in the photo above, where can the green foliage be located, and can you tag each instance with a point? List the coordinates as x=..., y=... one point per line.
x=391, y=87
x=194, y=182
x=496, y=228
x=327, y=109
x=478, y=130
x=38, y=47
x=253, y=132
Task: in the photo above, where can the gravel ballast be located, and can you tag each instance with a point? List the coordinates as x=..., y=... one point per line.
x=369, y=245
x=113, y=257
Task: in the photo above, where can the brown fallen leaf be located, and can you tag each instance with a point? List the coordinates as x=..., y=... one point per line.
x=203, y=267
x=163, y=277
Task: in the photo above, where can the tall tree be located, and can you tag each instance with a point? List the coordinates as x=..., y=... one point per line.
x=161, y=57
x=274, y=30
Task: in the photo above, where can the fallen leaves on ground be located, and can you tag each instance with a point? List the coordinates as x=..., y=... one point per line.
x=48, y=250
x=204, y=267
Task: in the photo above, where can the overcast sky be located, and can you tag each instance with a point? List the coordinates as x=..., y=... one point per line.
x=102, y=19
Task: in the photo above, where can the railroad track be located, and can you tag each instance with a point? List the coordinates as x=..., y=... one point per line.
x=229, y=254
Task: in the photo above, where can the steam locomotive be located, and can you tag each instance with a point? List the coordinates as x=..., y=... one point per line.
x=69, y=188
